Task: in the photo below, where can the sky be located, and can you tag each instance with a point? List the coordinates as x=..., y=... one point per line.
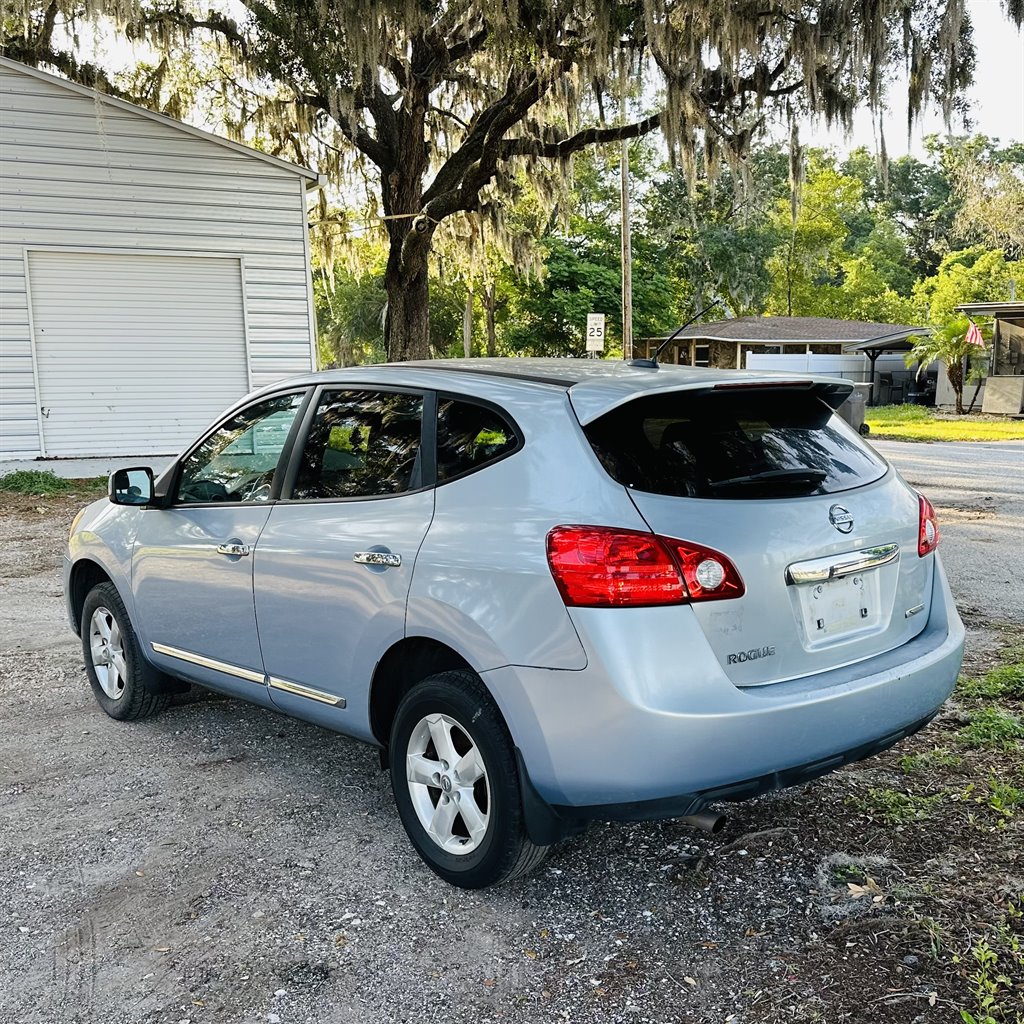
x=997, y=95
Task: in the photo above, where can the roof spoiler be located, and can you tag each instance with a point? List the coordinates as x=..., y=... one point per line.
x=591, y=399
x=832, y=393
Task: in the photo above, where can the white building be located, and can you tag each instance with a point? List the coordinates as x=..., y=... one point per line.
x=150, y=273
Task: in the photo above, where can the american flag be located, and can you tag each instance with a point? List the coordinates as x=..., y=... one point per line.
x=974, y=336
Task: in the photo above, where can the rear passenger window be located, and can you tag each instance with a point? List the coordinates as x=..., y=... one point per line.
x=362, y=444
x=732, y=445
x=470, y=436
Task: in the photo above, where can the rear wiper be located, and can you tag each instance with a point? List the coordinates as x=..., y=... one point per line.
x=806, y=477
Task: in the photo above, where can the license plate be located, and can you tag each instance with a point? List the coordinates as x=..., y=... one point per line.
x=840, y=607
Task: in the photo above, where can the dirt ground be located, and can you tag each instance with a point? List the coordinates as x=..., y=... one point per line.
x=219, y=863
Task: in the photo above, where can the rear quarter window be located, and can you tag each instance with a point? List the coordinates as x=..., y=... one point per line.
x=469, y=437
x=731, y=445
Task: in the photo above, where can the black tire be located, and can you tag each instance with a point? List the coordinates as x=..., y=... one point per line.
x=504, y=852
x=135, y=698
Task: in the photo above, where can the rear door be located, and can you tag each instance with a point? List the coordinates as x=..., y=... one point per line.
x=822, y=531
x=334, y=563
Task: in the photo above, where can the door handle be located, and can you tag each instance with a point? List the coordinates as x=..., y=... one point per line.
x=383, y=558
x=233, y=548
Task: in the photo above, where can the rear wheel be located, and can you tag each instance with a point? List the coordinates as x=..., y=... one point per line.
x=453, y=773
x=117, y=672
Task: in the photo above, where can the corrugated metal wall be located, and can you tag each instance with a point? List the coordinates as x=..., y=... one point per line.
x=80, y=174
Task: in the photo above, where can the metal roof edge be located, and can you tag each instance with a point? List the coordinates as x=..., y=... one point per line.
x=238, y=147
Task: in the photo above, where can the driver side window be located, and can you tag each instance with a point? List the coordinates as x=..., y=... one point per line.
x=237, y=462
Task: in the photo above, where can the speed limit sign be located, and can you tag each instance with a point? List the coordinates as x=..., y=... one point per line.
x=595, y=332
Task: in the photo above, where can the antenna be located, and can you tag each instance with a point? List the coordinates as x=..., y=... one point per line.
x=652, y=363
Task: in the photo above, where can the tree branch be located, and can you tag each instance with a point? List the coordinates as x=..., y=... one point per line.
x=587, y=137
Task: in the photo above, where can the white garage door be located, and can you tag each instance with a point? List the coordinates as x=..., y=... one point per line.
x=135, y=354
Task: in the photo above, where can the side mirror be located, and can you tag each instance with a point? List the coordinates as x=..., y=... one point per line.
x=131, y=486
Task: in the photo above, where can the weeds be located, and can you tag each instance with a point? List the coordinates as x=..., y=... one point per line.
x=939, y=757
x=895, y=807
x=1002, y=797
x=994, y=956
x=992, y=729
x=1005, y=681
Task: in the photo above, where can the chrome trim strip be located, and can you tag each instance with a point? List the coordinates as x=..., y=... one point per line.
x=307, y=691
x=913, y=611
x=217, y=666
x=817, y=570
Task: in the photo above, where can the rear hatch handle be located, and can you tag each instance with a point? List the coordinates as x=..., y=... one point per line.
x=817, y=570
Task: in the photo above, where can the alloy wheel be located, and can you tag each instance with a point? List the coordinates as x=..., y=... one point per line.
x=448, y=783
x=107, y=650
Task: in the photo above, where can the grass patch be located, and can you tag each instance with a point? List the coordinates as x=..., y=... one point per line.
x=1002, y=797
x=939, y=757
x=919, y=423
x=1004, y=681
x=992, y=729
x=894, y=807
x=36, y=482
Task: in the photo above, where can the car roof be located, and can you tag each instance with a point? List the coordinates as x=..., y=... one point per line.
x=595, y=386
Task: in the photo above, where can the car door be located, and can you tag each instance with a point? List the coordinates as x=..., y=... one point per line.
x=192, y=562
x=334, y=563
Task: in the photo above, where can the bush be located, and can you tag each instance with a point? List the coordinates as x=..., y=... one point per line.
x=37, y=482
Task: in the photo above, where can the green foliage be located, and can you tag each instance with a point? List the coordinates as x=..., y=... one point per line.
x=1003, y=681
x=350, y=318
x=37, y=482
x=938, y=757
x=993, y=729
x=1003, y=797
x=996, y=957
x=840, y=257
x=895, y=807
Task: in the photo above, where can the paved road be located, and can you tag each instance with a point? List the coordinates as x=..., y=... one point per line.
x=978, y=490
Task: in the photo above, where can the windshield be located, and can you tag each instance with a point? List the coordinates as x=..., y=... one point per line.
x=722, y=444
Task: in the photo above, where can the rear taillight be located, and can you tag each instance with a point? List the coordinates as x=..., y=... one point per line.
x=708, y=575
x=603, y=567
x=928, y=535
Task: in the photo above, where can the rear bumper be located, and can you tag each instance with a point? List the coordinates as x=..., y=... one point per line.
x=652, y=728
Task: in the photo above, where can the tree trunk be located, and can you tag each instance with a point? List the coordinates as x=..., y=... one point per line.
x=467, y=324
x=407, y=322
x=974, y=397
x=955, y=373
x=490, y=302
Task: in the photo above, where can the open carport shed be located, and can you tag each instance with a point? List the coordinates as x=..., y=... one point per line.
x=150, y=273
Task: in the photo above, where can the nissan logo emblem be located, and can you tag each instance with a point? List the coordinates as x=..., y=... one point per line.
x=840, y=518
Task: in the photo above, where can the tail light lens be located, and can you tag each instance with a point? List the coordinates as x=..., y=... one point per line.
x=603, y=567
x=928, y=535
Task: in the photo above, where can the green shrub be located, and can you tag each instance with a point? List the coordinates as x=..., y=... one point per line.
x=38, y=482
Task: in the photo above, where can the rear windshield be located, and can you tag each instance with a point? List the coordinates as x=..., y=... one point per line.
x=725, y=444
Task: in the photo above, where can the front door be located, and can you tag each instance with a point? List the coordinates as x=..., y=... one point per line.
x=334, y=563
x=192, y=564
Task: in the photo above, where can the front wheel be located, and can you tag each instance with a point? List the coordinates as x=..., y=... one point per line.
x=121, y=679
x=453, y=773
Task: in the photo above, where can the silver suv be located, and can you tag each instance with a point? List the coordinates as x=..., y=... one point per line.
x=550, y=591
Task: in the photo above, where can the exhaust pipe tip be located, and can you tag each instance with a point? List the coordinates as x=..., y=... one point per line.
x=706, y=821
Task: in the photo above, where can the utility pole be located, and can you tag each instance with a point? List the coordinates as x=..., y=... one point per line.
x=627, y=248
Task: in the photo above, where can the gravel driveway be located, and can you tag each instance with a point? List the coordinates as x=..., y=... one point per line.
x=220, y=863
